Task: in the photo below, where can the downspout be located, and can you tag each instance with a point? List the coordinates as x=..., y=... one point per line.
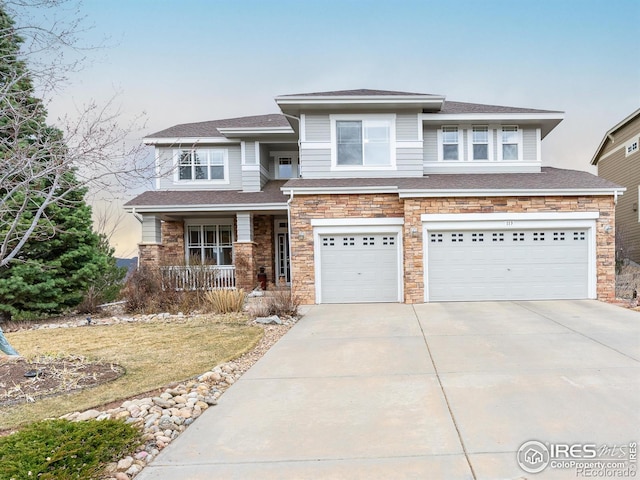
x=136, y=215
x=289, y=233
x=615, y=197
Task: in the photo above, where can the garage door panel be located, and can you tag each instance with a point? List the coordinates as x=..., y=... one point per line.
x=507, y=265
x=359, y=268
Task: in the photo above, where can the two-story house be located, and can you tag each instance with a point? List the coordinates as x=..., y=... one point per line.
x=618, y=160
x=380, y=196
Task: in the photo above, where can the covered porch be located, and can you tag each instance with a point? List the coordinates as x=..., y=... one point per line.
x=223, y=250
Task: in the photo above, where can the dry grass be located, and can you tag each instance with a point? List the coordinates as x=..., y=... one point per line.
x=226, y=301
x=153, y=354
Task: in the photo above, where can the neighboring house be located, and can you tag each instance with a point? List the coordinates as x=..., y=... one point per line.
x=379, y=196
x=618, y=160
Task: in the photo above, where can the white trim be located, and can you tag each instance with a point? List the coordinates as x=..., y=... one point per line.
x=426, y=100
x=249, y=168
x=254, y=131
x=470, y=144
x=197, y=182
x=440, y=144
x=390, y=117
x=345, y=228
x=514, y=221
x=209, y=221
x=538, y=145
x=469, y=217
x=189, y=141
x=257, y=147
x=338, y=190
x=563, y=192
x=519, y=144
x=158, y=169
x=243, y=153
x=420, y=129
x=230, y=207
x=341, y=222
x=486, y=117
x=303, y=128
x=479, y=166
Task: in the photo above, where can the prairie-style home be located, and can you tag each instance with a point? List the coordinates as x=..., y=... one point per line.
x=379, y=196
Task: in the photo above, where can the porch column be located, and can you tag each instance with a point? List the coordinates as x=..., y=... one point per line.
x=244, y=253
x=150, y=248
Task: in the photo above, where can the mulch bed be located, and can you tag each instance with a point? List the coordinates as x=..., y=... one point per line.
x=23, y=381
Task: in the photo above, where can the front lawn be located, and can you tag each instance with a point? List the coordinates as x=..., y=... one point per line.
x=153, y=355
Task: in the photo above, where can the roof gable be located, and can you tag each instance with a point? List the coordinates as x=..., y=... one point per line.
x=611, y=131
x=210, y=128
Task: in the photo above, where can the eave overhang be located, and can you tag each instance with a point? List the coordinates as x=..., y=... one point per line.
x=546, y=121
x=294, y=105
x=231, y=207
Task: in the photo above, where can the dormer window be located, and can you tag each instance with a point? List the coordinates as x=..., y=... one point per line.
x=200, y=164
x=367, y=142
x=510, y=143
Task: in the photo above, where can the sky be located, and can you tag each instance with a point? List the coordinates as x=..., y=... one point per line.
x=185, y=61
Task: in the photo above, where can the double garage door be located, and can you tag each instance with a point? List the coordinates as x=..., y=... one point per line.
x=461, y=265
x=540, y=264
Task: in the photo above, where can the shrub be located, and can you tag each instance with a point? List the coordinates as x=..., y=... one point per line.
x=276, y=301
x=226, y=301
x=61, y=450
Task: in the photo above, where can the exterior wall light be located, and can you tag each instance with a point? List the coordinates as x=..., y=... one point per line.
x=301, y=236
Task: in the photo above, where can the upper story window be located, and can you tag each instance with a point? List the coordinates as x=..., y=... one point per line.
x=480, y=143
x=632, y=147
x=364, y=142
x=450, y=143
x=510, y=143
x=287, y=167
x=200, y=164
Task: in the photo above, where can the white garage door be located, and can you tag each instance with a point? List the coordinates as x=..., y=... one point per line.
x=359, y=268
x=507, y=265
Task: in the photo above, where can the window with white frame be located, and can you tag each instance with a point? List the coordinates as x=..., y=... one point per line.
x=480, y=143
x=209, y=244
x=364, y=143
x=510, y=143
x=450, y=144
x=287, y=166
x=200, y=164
x=632, y=147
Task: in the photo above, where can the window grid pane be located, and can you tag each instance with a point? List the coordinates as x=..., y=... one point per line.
x=450, y=143
x=201, y=164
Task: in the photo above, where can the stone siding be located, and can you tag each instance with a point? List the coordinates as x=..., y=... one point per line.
x=173, y=242
x=305, y=208
x=149, y=255
x=265, y=254
x=244, y=254
x=308, y=207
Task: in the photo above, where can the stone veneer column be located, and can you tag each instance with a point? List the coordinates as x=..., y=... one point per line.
x=173, y=253
x=149, y=255
x=244, y=260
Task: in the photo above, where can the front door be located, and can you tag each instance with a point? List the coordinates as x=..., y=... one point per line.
x=282, y=251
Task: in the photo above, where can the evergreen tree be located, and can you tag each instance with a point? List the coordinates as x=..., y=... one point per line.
x=42, y=207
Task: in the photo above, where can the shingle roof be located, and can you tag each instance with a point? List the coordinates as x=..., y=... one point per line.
x=270, y=194
x=548, y=178
x=463, y=107
x=210, y=128
x=363, y=92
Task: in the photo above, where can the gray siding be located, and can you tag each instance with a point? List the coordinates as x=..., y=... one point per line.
x=407, y=127
x=625, y=171
x=529, y=145
x=265, y=165
x=235, y=171
x=151, y=229
x=249, y=153
x=251, y=180
x=317, y=128
x=317, y=164
x=430, y=144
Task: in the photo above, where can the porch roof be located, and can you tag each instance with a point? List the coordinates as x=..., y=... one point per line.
x=270, y=197
x=548, y=181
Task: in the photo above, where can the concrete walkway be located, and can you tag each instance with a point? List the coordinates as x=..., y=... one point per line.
x=437, y=391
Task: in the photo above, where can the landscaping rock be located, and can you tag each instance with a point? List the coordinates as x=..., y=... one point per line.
x=273, y=319
x=125, y=463
x=88, y=415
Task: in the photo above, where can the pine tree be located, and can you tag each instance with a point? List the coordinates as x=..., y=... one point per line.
x=62, y=255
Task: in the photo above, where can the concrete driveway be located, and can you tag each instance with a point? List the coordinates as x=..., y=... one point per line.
x=437, y=391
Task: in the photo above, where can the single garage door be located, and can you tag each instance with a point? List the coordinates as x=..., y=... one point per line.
x=359, y=268
x=540, y=264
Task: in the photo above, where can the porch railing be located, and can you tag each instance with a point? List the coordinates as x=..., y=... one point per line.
x=198, y=277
